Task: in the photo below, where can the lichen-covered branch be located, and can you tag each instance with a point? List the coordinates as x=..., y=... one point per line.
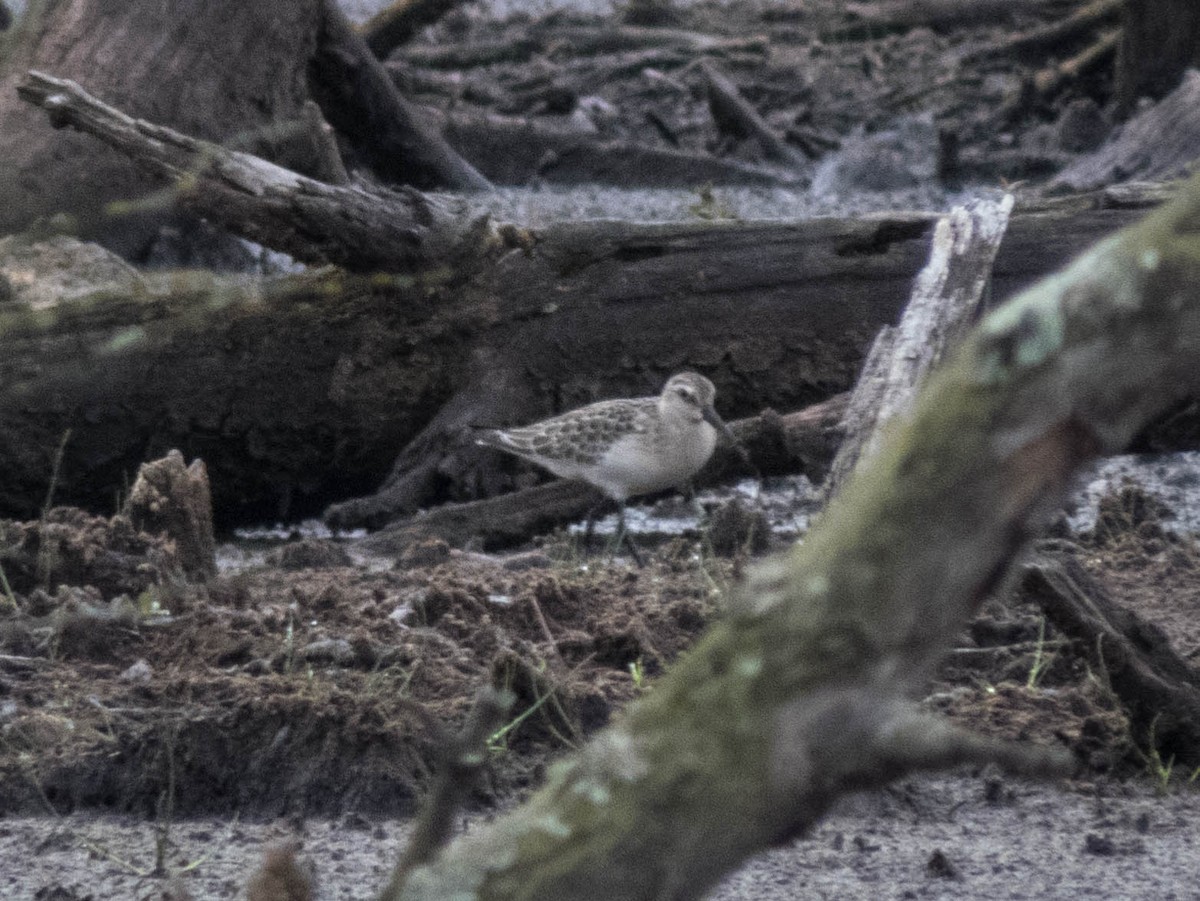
x=799, y=695
x=395, y=231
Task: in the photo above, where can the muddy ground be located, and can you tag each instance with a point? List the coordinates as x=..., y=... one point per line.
x=305, y=697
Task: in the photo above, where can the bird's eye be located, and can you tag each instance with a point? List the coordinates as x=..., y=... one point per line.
x=686, y=394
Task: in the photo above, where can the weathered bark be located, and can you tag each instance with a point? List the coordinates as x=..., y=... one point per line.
x=362, y=103
x=219, y=68
x=402, y=231
x=871, y=18
x=518, y=151
x=797, y=442
x=1160, y=39
x=353, y=377
x=800, y=694
x=1050, y=36
x=1158, y=688
x=737, y=117
x=175, y=501
x=948, y=298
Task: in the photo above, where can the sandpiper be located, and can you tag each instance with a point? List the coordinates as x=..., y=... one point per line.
x=625, y=447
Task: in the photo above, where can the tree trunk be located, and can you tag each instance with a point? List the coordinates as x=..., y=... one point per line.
x=1160, y=40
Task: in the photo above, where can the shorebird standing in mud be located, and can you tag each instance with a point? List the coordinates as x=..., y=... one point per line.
x=628, y=446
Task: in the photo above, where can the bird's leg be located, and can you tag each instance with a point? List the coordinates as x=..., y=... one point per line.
x=623, y=535
x=589, y=528
x=688, y=490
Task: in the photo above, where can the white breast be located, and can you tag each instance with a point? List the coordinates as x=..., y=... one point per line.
x=644, y=463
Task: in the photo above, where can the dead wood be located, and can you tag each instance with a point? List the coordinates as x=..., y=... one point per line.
x=949, y=296
x=1161, y=142
x=735, y=116
x=801, y=693
x=581, y=41
x=237, y=71
x=1159, y=689
x=1049, y=81
x=494, y=328
x=402, y=231
x=354, y=377
x=175, y=501
x=461, y=761
x=895, y=15
x=396, y=24
x=362, y=103
x=1054, y=34
x=520, y=151
x=777, y=445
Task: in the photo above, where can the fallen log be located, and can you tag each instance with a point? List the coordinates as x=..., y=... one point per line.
x=362, y=103
x=897, y=15
x=735, y=116
x=313, y=221
x=1159, y=689
x=1047, y=37
x=356, y=376
x=519, y=151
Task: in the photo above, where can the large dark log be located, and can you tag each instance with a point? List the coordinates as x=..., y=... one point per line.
x=301, y=391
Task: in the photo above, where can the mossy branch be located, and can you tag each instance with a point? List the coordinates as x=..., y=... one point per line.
x=799, y=695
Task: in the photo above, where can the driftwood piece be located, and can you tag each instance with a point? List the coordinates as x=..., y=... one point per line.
x=1049, y=81
x=354, y=377
x=797, y=442
x=896, y=15
x=402, y=231
x=583, y=40
x=361, y=102
x=801, y=693
x=398, y=22
x=735, y=116
x=175, y=501
x=519, y=151
x=219, y=70
x=1049, y=36
x=1160, y=690
x=1159, y=143
x=948, y=298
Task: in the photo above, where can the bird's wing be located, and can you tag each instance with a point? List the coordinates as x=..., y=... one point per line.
x=581, y=436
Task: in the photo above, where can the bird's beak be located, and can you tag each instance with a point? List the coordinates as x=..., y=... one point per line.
x=711, y=417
